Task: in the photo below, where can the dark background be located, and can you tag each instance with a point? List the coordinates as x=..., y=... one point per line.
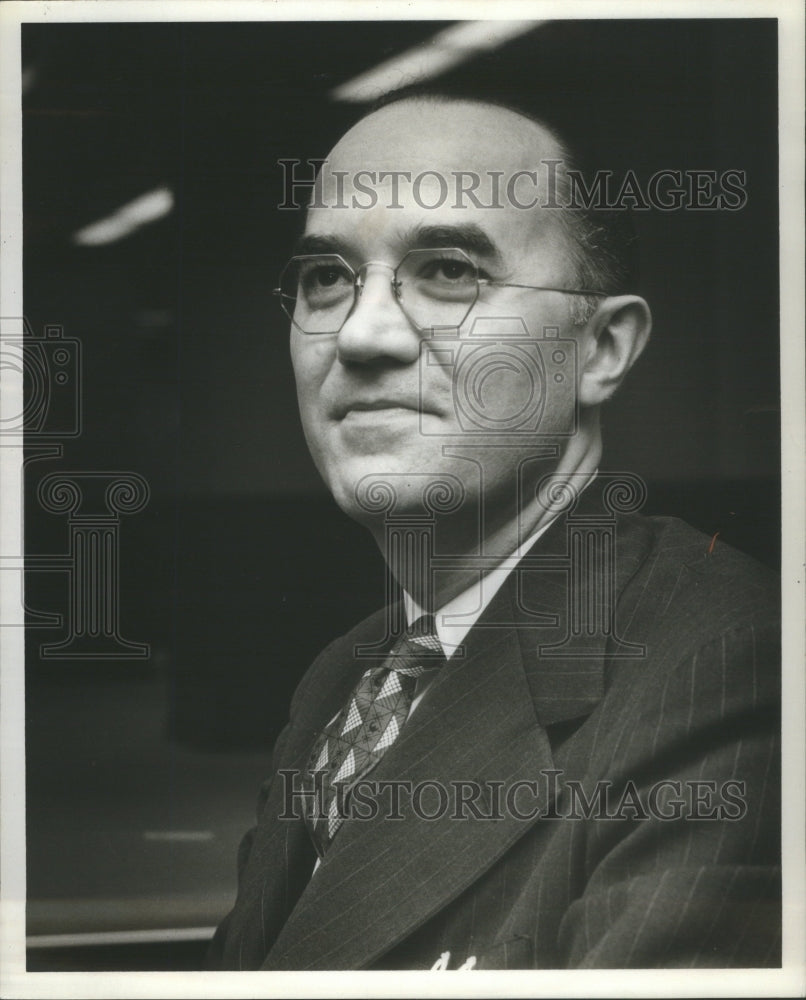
x=241, y=569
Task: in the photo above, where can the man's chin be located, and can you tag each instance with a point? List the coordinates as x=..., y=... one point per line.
x=371, y=487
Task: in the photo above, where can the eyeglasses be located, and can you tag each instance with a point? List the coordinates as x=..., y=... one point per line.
x=436, y=289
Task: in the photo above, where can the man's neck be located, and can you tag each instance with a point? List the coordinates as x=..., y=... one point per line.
x=502, y=537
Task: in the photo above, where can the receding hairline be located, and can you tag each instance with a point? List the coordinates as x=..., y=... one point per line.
x=538, y=128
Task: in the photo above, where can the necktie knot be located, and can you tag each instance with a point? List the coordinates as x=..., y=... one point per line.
x=418, y=649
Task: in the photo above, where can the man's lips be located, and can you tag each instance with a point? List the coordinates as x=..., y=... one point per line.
x=341, y=410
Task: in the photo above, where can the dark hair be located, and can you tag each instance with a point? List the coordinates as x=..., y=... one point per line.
x=602, y=243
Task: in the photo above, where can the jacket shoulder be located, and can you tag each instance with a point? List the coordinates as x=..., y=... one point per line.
x=695, y=581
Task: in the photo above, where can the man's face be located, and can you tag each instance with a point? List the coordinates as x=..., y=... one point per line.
x=381, y=398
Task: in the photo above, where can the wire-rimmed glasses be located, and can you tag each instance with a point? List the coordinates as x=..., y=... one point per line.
x=435, y=288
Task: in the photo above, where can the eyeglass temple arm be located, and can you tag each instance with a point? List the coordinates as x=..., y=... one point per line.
x=543, y=288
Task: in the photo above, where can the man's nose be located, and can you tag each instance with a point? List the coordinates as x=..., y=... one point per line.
x=377, y=328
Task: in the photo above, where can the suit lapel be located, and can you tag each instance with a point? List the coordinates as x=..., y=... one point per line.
x=566, y=672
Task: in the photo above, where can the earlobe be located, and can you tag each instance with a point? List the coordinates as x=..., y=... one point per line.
x=615, y=336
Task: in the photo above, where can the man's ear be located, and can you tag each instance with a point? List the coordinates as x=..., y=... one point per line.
x=614, y=338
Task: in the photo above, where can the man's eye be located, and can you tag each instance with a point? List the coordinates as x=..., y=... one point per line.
x=447, y=270
x=325, y=277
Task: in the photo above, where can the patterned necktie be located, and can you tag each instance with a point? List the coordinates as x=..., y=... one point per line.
x=370, y=722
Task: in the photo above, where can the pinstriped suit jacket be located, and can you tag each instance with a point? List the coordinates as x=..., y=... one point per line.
x=577, y=886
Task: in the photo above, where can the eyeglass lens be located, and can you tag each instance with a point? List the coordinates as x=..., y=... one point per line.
x=435, y=288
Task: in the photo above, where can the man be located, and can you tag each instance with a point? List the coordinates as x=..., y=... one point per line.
x=568, y=759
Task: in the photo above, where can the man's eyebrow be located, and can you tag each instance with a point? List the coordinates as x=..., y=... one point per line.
x=467, y=236
x=321, y=243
